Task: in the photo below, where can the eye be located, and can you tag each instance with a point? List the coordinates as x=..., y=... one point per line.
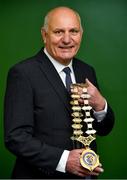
x=74, y=31
x=58, y=32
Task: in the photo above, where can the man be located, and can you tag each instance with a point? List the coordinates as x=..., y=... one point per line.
x=37, y=104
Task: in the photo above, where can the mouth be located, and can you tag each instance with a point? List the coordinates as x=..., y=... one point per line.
x=66, y=47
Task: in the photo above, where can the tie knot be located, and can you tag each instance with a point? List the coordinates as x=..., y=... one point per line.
x=67, y=70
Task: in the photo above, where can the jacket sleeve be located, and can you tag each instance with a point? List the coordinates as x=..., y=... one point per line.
x=105, y=126
x=19, y=123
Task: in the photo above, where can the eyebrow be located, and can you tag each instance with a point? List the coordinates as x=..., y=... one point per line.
x=62, y=29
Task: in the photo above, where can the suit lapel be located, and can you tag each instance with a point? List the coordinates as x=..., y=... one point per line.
x=79, y=74
x=53, y=78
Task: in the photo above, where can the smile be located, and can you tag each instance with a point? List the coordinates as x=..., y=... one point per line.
x=66, y=47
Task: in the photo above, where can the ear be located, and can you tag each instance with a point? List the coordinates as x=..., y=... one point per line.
x=43, y=34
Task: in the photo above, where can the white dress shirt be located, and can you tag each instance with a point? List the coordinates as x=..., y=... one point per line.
x=98, y=115
x=59, y=68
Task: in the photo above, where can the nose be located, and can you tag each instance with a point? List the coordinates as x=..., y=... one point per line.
x=66, y=38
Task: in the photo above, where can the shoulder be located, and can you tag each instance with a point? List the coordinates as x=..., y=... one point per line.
x=24, y=64
x=28, y=65
x=82, y=64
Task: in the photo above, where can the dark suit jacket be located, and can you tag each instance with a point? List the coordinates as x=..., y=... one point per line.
x=38, y=116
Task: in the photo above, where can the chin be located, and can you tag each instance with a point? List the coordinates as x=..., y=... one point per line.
x=67, y=55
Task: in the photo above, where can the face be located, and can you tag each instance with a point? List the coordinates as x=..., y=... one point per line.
x=63, y=36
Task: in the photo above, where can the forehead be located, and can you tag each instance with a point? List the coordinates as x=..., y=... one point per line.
x=63, y=19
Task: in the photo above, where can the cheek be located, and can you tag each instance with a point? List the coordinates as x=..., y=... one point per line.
x=78, y=40
x=54, y=40
x=52, y=44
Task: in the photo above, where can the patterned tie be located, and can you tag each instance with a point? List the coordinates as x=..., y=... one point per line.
x=68, y=80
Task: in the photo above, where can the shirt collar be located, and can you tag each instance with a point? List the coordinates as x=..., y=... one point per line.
x=58, y=66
